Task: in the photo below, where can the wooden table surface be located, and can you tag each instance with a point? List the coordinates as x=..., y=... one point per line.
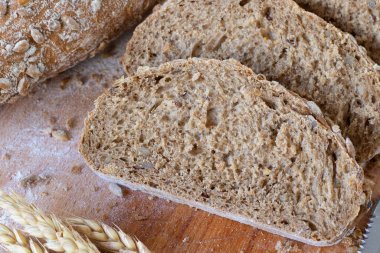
x=40, y=168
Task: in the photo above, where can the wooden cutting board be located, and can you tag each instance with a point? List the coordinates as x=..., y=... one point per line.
x=51, y=173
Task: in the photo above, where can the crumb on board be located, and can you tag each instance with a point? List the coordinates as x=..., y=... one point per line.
x=64, y=82
x=108, y=50
x=113, y=205
x=57, y=134
x=47, y=131
x=70, y=123
x=76, y=169
x=78, y=81
x=67, y=188
x=60, y=135
x=34, y=180
x=49, y=118
x=97, y=77
x=6, y=157
x=286, y=246
x=52, y=120
x=185, y=240
x=139, y=217
x=151, y=197
x=71, y=80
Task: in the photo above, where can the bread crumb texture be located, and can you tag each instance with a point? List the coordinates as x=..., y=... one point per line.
x=360, y=18
x=215, y=133
x=280, y=40
x=39, y=39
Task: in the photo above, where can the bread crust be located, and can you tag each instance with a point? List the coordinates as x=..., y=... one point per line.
x=239, y=218
x=276, y=38
x=39, y=39
x=99, y=125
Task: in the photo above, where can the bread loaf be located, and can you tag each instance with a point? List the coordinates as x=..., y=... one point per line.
x=38, y=39
x=214, y=135
x=280, y=40
x=360, y=18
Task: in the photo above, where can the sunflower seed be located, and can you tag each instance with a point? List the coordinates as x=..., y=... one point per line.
x=21, y=47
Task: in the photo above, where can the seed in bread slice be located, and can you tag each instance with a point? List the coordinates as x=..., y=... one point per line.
x=280, y=40
x=214, y=135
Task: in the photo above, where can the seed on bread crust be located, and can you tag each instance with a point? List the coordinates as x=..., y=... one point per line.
x=33, y=71
x=23, y=86
x=37, y=36
x=21, y=46
x=5, y=83
x=71, y=23
x=53, y=25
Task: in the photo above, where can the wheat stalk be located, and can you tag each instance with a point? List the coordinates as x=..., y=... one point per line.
x=15, y=241
x=58, y=237
x=106, y=237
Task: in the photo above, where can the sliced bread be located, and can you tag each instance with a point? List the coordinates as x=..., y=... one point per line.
x=213, y=135
x=360, y=18
x=280, y=40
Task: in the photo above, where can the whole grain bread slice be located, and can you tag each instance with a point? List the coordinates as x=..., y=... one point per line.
x=213, y=135
x=276, y=38
x=360, y=18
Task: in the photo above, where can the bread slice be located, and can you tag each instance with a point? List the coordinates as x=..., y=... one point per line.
x=213, y=135
x=360, y=18
x=280, y=40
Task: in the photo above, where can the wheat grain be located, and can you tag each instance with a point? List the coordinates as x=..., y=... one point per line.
x=106, y=237
x=15, y=241
x=58, y=237
x=61, y=238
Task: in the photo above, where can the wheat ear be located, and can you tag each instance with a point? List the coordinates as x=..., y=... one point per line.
x=15, y=241
x=58, y=237
x=106, y=237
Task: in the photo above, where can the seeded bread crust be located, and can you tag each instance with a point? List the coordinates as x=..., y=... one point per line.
x=360, y=18
x=276, y=38
x=38, y=39
x=214, y=135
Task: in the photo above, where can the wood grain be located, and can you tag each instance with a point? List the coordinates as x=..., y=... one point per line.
x=26, y=149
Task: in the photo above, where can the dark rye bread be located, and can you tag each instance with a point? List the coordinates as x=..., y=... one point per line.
x=360, y=18
x=213, y=135
x=280, y=40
